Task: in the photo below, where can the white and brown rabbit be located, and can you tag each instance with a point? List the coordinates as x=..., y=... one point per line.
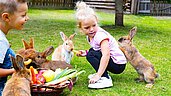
x=41, y=61
x=144, y=68
x=19, y=83
x=64, y=52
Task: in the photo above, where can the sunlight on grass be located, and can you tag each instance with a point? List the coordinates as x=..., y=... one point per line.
x=152, y=39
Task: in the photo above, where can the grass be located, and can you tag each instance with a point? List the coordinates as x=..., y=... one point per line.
x=153, y=40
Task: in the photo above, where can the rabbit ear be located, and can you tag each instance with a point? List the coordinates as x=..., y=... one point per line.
x=63, y=36
x=18, y=62
x=30, y=45
x=26, y=46
x=72, y=36
x=15, y=65
x=132, y=32
x=48, y=51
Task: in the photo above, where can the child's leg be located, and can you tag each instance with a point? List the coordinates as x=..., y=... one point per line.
x=94, y=58
x=115, y=68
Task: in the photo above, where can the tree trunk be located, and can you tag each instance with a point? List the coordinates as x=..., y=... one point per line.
x=119, y=13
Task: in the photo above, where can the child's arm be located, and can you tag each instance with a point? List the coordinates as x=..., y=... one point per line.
x=105, y=57
x=103, y=62
x=6, y=72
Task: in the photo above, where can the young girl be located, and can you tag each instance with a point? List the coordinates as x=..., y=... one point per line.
x=13, y=15
x=105, y=54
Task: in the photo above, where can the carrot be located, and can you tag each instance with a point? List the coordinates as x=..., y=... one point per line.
x=33, y=75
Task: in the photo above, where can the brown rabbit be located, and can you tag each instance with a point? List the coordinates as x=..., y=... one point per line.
x=144, y=68
x=19, y=83
x=27, y=46
x=39, y=58
x=42, y=62
x=28, y=52
x=64, y=52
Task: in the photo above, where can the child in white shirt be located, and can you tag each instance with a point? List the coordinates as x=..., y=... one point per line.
x=13, y=15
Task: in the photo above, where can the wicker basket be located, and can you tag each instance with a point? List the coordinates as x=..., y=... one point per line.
x=52, y=90
x=42, y=90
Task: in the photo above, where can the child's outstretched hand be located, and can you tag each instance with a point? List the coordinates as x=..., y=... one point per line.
x=80, y=53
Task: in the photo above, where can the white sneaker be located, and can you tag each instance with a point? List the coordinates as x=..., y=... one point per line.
x=103, y=82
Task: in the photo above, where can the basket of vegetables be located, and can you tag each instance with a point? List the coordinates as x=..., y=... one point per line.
x=46, y=82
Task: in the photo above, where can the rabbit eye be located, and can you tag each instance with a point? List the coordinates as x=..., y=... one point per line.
x=38, y=57
x=66, y=43
x=28, y=73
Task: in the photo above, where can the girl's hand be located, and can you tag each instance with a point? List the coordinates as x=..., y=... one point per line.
x=94, y=79
x=80, y=53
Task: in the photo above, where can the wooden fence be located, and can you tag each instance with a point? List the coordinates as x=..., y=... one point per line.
x=157, y=8
x=160, y=8
x=108, y=5
x=52, y=4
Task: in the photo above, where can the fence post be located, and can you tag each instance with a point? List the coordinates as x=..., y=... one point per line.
x=134, y=6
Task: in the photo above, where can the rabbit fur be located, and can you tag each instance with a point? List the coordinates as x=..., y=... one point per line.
x=41, y=61
x=19, y=83
x=39, y=58
x=144, y=68
x=28, y=52
x=64, y=52
x=27, y=46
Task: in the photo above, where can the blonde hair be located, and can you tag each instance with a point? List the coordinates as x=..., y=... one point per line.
x=83, y=11
x=9, y=6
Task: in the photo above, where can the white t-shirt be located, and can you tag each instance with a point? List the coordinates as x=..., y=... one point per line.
x=115, y=53
x=4, y=45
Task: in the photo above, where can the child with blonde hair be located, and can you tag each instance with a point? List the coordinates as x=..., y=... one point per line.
x=105, y=54
x=13, y=15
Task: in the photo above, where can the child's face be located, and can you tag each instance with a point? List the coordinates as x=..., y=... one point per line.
x=19, y=18
x=89, y=26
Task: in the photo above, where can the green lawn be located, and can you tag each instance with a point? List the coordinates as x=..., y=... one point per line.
x=153, y=40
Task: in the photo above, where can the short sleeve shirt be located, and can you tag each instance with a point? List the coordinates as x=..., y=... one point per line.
x=115, y=53
x=5, y=62
x=4, y=45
